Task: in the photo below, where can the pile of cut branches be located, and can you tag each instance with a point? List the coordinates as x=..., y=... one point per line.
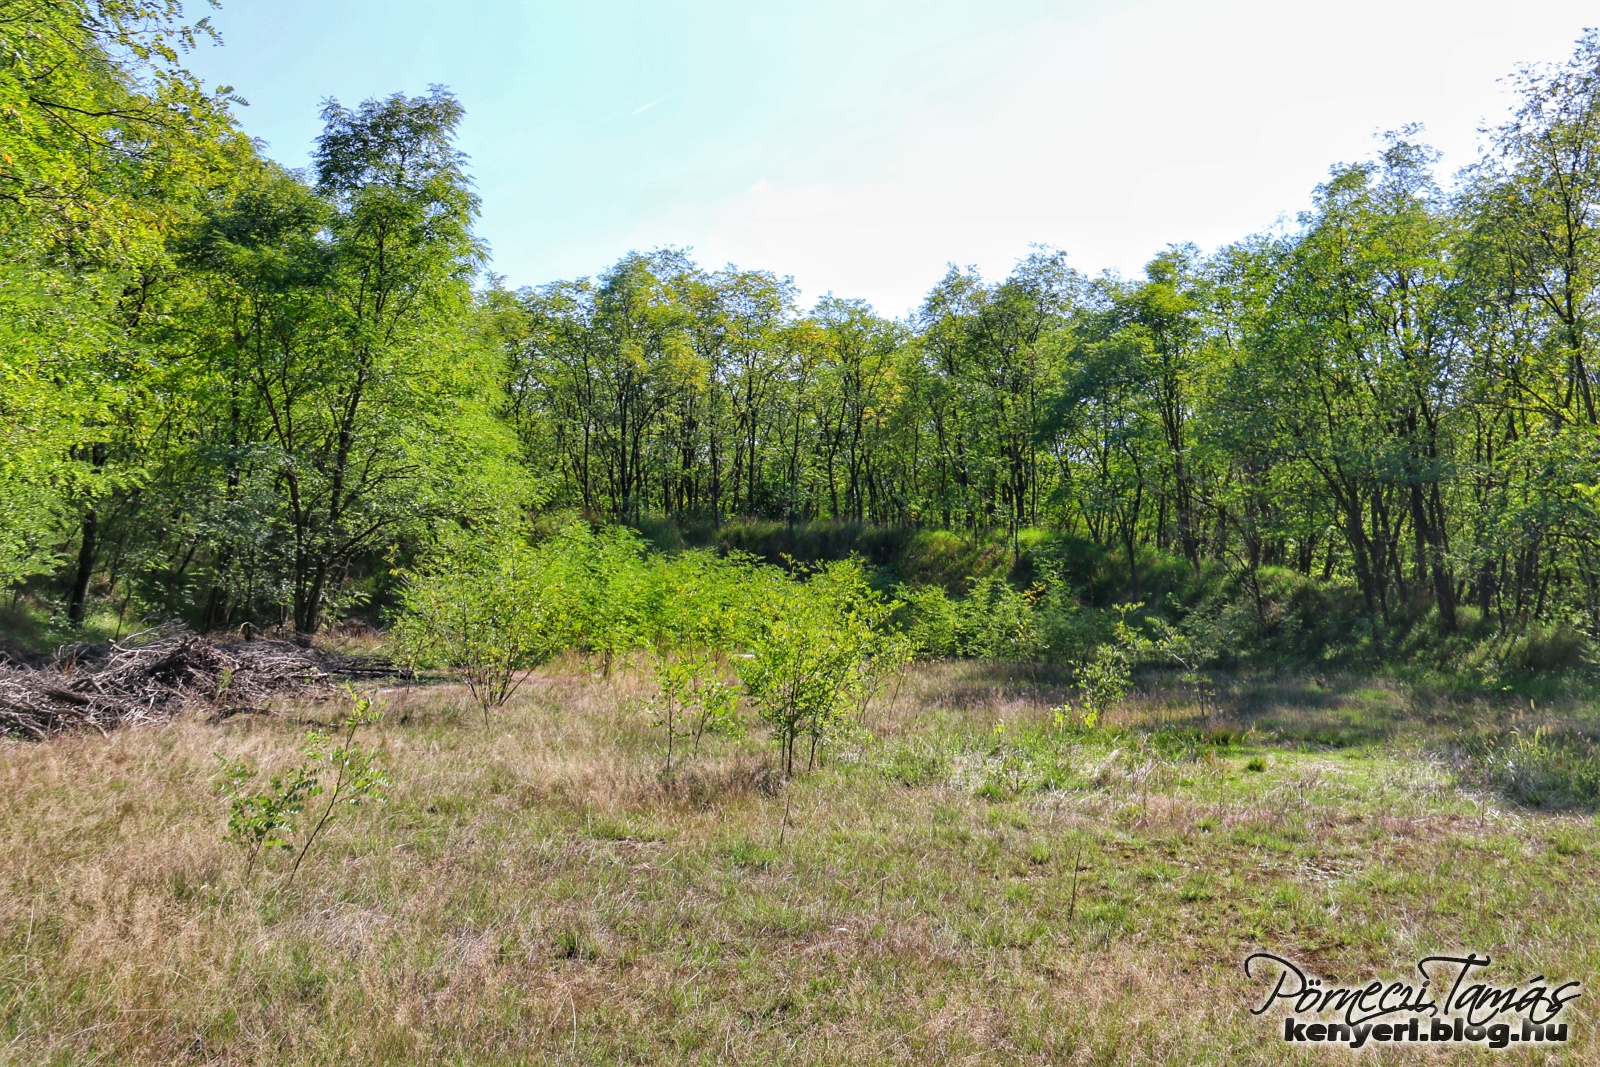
x=149, y=678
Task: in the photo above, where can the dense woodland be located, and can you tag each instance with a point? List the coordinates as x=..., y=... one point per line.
x=237, y=393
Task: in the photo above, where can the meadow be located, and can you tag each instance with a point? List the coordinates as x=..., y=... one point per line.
x=963, y=879
x=759, y=679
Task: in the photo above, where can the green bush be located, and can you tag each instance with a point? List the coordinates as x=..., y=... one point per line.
x=490, y=611
x=824, y=645
x=994, y=621
x=927, y=617
x=699, y=599
x=1545, y=650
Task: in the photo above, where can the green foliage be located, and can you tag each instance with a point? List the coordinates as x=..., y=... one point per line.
x=605, y=575
x=492, y=609
x=490, y=612
x=262, y=820
x=810, y=651
x=107, y=145
x=928, y=618
x=1191, y=647
x=823, y=644
x=700, y=599
x=1105, y=678
x=358, y=776
x=994, y=621
x=693, y=699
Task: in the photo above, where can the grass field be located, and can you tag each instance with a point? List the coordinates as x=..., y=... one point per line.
x=963, y=882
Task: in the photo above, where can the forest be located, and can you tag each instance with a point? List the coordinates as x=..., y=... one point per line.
x=237, y=394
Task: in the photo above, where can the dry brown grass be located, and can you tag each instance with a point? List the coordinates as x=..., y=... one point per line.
x=535, y=893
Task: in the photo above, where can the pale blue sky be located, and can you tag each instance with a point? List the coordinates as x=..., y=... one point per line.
x=861, y=146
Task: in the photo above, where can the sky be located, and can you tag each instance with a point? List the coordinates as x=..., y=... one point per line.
x=863, y=146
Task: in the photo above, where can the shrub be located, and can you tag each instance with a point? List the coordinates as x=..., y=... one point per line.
x=995, y=621
x=700, y=599
x=693, y=699
x=604, y=576
x=821, y=647
x=1191, y=647
x=492, y=609
x=928, y=618
x=490, y=612
x=264, y=819
x=1544, y=650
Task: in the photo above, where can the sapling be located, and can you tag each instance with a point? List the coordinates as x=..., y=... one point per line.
x=1107, y=675
x=1191, y=651
x=266, y=819
x=263, y=820
x=357, y=777
x=808, y=666
x=693, y=699
x=489, y=612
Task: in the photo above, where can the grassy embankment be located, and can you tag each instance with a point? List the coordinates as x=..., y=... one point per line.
x=963, y=883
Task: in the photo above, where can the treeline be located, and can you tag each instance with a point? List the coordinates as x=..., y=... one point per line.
x=1398, y=392
x=237, y=393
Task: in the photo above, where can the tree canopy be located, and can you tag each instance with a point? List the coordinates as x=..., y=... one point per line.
x=239, y=394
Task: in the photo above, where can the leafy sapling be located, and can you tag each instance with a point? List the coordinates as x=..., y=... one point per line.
x=693, y=699
x=817, y=651
x=262, y=820
x=1191, y=650
x=491, y=613
x=357, y=776
x=1107, y=675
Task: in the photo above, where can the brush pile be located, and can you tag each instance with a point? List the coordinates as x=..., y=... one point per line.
x=151, y=678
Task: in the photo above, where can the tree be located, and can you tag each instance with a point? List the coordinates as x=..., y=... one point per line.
x=353, y=402
x=106, y=144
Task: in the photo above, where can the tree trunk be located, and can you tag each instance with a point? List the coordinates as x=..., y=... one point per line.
x=80, y=580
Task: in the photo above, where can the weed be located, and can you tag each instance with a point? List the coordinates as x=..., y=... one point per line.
x=1542, y=768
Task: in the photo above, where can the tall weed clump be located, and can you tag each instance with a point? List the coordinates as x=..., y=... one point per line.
x=1542, y=768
